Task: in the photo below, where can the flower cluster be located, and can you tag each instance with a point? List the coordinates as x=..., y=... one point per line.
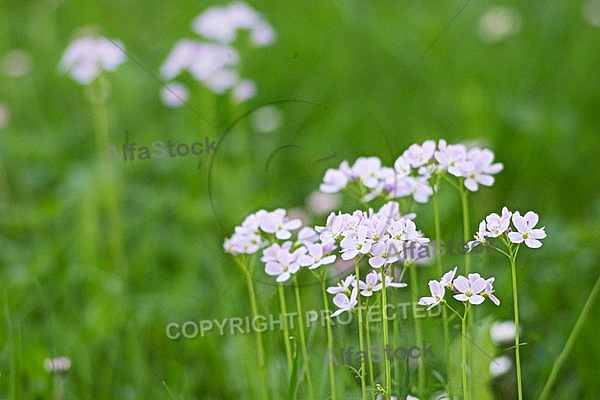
x=346, y=292
x=413, y=170
x=87, y=57
x=378, y=236
x=282, y=255
x=524, y=230
x=381, y=236
x=252, y=234
x=472, y=289
x=213, y=61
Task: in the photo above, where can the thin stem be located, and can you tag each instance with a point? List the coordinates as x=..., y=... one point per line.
x=396, y=338
x=464, y=200
x=570, y=341
x=286, y=329
x=329, y=337
x=262, y=367
x=513, y=270
x=360, y=335
x=463, y=343
x=303, y=339
x=418, y=327
x=386, y=338
x=439, y=263
x=59, y=387
x=368, y=331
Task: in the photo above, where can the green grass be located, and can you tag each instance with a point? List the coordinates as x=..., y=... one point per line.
x=97, y=258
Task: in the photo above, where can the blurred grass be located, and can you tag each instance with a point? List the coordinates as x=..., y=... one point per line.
x=532, y=98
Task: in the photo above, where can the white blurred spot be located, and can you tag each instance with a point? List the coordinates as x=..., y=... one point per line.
x=499, y=23
x=16, y=63
x=266, y=119
x=222, y=23
x=503, y=332
x=87, y=57
x=591, y=12
x=174, y=94
x=57, y=365
x=244, y=90
x=262, y=34
x=500, y=366
x=221, y=80
x=323, y=203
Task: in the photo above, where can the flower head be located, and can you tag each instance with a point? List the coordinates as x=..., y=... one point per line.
x=526, y=231
x=87, y=57
x=438, y=291
x=469, y=289
x=284, y=265
x=344, y=302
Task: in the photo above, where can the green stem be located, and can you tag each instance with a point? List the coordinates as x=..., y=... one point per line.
x=396, y=327
x=360, y=334
x=329, y=337
x=440, y=272
x=464, y=200
x=368, y=332
x=463, y=343
x=418, y=328
x=257, y=336
x=303, y=339
x=570, y=341
x=386, y=336
x=513, y=269
x=99, y=93
x=59, y=387
x=286, y=329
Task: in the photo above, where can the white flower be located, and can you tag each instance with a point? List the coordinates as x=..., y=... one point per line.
x=389, y=282
x=283, y=267
x=526, y=231
x=418, y=155
x=344, y=302
x=57, y=365
x=333, y=181
x=343, y=286
x=384, y=252
x=469, y=290
x=314, y=258
x=222, y=23
x=367, y=169
x=270, y=253
x=482, y=169
x=453, y=158
x=239, y=243
x=503, y=332
x=87, y=57
x=174, y=94
x=500, y=366
x=480, y=237
x=201, y=59
x=496, y=225
x=356, y=243
x=448, y=277
x=438, y=291
x=371, y=284
x=276, y=222
x=244, y=90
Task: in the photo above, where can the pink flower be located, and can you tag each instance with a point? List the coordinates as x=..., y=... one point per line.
x=526, y=231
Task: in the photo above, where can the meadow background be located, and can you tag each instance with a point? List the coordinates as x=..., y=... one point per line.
x=97, y=258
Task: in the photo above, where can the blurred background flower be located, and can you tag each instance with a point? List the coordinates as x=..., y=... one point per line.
x=213, y=61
